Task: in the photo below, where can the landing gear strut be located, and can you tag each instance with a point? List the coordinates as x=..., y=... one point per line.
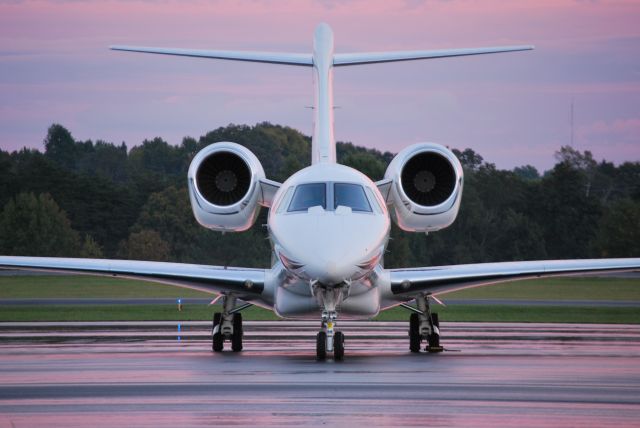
x=424, y=325
x=227, y=325
x=328, y=339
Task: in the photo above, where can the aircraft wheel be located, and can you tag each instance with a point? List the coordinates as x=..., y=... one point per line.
x=434, y=341
x=321, y=346
x=434, y=338
x=217, y=317
x=236, y=339
x=338, y=346
x=414, y=333
x=217, y=341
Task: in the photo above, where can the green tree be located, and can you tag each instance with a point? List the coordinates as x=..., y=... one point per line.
x=527, y=172
x=90, y=248
x=469, y=159
x=570, y=216
x=169, y=214
x=33, y=225
x=145, y=245
x=60, y=146
x=367, y=163
x=619, y=230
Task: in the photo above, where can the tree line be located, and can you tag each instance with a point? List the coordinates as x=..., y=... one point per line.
x=99, y=199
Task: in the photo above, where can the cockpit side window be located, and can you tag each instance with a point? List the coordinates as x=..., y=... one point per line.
x=284, y=201
x=373, y=200
x=352, y=196
x=307, y=196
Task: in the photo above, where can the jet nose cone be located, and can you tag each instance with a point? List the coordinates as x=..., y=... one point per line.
x=331, y=274
x=327, y=272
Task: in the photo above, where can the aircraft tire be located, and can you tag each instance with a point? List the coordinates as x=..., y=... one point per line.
x=414, y=333
x=217, y=342
x=434, y=340
x=236, y=338
x=338, y=346
x=321, y=346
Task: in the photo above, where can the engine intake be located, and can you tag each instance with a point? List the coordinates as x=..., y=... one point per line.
x=224, y=187
x=426, y=187
x=428, y=179
x=223, y=178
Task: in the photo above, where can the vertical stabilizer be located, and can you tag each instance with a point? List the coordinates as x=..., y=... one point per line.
x=323, y=146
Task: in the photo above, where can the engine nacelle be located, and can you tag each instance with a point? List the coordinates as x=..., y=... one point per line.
x=224, y=187
x=426, y=187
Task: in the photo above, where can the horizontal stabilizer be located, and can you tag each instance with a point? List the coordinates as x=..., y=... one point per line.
x=264, y=57
x=377, y=57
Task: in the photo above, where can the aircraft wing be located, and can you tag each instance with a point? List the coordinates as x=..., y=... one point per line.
x=444, y=279
x=377, y=57
x=251, y=56
x=244, y=283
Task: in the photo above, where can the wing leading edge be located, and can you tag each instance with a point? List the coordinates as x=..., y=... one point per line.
x=250, y=56
x=378, y=57
x=444, y=279
x=246, y=284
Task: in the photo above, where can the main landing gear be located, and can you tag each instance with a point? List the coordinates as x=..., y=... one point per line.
x=227, y=326
x=424, y=325
x=328, y=339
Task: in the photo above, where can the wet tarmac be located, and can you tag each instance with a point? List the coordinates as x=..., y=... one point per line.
x=164, y=374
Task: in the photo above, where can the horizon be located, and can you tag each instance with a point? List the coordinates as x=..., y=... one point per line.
x=513, y=109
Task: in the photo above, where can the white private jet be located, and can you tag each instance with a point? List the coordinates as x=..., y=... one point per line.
x=328, y=223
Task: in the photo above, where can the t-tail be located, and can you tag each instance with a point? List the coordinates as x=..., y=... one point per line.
x=322, y=60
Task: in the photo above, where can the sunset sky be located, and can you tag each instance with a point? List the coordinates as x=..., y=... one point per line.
x=511, y=108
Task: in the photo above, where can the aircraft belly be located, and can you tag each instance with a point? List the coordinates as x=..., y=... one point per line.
x=361, y=305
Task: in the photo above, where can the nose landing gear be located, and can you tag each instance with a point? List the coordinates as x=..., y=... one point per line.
x=328, y=339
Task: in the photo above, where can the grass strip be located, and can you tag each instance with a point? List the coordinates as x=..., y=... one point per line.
x=490, y=313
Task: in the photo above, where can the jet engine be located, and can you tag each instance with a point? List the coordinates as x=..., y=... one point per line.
x=224, y=187
x=426, y=187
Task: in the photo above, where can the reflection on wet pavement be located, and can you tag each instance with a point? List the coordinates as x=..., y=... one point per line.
x=115, y=374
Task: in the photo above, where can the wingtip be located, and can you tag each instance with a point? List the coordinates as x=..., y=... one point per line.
x=119, y=48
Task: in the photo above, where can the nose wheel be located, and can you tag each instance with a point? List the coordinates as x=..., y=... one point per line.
x=321, y=346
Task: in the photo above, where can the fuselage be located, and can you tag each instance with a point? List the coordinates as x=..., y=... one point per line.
x=329, y=227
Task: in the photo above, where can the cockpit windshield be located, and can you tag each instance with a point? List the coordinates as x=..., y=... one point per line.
x=307, y=196
x=329, y=196
x=352, y=196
